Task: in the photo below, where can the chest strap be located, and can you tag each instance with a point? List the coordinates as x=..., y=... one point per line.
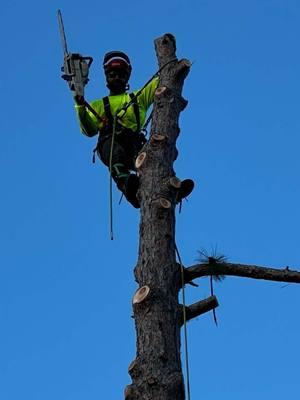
x=109, y=115
x=136, y=111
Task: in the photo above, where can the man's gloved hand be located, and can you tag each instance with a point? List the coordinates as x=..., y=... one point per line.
x=79, y=100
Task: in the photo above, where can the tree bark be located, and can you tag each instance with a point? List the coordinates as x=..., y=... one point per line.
x=241, y=270
x=200, y=307
x=156, y=372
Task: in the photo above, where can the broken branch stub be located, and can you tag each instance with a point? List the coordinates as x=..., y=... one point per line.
x=141, y=294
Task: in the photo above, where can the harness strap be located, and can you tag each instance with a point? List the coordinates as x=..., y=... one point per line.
x=136, y=111
x=107, y=111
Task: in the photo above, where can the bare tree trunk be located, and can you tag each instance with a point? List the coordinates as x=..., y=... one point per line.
x=156, y=372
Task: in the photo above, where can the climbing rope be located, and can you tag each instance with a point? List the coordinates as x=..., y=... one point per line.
x=184, y=325
x=115, y=118
x=147, y=123
x=110, y=178
x=127, y=105
x=118, y=116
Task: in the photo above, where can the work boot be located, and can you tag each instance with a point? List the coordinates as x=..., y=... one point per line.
x=185, y=190
x=126, y=182
x=129, y=187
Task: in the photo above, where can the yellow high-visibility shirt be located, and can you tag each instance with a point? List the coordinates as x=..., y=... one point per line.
x=89, y=124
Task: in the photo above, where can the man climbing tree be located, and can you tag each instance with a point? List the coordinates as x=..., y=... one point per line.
x=118, y=118
x=156, y=371
x=120, y=137
x=122, y=117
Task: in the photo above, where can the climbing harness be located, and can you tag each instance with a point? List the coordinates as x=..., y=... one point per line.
x=111, y=122
x=113, y=119
x=126, y=106
x=184, y=325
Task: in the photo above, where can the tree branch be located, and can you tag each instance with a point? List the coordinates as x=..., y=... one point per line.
x=199, y=308
x=245, y=271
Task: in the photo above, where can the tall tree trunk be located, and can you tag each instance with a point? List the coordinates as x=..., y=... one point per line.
x=156, y=372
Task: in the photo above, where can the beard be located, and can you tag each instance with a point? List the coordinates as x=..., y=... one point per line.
x=117, y=86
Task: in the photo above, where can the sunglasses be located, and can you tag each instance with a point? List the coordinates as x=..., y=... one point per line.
x=121, y=74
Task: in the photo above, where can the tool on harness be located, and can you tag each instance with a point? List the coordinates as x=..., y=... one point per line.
x=133, y=97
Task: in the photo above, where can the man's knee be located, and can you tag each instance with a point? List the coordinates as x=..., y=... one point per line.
x=105, y=152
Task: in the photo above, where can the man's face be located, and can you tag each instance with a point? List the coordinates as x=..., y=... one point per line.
x=117, y=80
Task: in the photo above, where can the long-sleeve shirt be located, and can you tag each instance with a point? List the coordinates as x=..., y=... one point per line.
x=90, y=125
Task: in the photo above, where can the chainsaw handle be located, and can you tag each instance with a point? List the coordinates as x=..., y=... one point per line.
x=89, y=60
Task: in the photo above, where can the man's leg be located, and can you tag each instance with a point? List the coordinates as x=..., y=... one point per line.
x=126, y=182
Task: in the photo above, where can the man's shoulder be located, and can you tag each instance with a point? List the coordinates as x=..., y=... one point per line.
x=96, y=102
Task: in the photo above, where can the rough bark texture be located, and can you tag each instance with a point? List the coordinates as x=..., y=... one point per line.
x=242, y=270
x=200, y=307
x=156, y=372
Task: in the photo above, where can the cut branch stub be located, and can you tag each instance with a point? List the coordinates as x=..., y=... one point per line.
x=141, y=294
x=183, y=67
x=199, y=308
x=185, y=63
x=160, y=90
x=156, y=137
x=140, y=159
x=175, y=182
x=164, y=203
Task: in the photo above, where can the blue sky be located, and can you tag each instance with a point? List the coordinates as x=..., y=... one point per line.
x=65, y=288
